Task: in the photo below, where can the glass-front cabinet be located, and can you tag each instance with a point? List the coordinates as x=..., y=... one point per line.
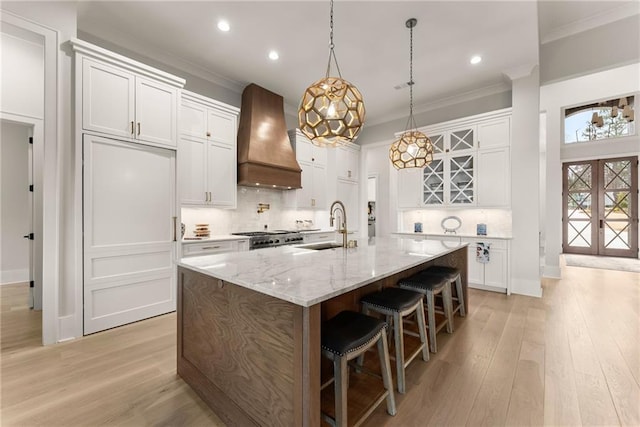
x=449, y=180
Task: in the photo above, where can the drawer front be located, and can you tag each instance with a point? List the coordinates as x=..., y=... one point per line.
x=208, y=248
x=320, y=237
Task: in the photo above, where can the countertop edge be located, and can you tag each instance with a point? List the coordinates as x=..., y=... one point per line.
x=464, y=236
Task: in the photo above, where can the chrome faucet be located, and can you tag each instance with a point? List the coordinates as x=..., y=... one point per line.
x=338, y=205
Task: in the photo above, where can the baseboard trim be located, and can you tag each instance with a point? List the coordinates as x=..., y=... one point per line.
x=552, y=272
x=526, y=287
x=10, y=277
x=66, y=327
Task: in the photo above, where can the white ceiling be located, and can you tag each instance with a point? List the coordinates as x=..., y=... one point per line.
x=372, y=43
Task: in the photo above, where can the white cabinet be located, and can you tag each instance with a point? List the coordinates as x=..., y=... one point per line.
x=494, y=177
x=471, y=165
x=121, y=103
x=348, y=162
x=410, y=188
x=213, y=247
x=207, y=152
x=494, y=133
x=347, y=193
x=313, y=162
x=494, y=274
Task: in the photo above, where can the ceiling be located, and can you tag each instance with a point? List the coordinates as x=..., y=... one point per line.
x=371, y=39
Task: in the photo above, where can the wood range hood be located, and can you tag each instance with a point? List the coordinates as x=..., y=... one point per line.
x=265, y=155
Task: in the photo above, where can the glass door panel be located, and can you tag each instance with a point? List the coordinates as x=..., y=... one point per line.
x=438, y=143
x=433, y=183
x=461, y=180
x=601, y=207
x=618, y=213
x=461, y=140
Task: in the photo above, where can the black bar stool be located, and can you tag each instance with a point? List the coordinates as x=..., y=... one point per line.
x=345, y=337
x=453, y=275
x=431, y=285
x=396, y=304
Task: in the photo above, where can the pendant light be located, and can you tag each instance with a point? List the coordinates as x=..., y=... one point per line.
x=331, y=111
x=413, y=149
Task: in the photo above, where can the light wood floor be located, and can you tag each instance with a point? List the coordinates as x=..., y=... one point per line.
x=569, y=358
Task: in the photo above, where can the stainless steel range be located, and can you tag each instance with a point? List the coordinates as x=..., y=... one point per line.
x=268, y=239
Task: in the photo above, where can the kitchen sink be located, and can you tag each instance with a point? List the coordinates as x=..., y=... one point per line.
x=321, y=246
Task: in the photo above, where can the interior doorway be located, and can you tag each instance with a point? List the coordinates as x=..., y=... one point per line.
x=20, y=289
x=372, y=192
x=600, y=207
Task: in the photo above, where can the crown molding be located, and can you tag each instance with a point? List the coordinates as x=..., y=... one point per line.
x=447, y=101
x=615, y=14
x=170, y=58
x=519, y=72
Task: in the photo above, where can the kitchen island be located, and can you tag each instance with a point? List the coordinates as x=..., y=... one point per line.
x=249, y=322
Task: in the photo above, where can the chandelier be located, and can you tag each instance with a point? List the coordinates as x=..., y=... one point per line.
x=413, y=149
x=331, y=111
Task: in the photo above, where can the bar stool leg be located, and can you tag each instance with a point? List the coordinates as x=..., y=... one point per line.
x=385, y=366
x=447, y=301
x=463, y=313
x=431, y=313
x=422, y=328
x=341, y=371
x=399, y=340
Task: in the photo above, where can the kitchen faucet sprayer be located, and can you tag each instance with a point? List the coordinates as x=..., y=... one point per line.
x=339, y=206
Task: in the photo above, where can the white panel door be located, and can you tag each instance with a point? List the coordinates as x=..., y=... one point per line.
x=192, y=164
x=494, y=180
x=410, y=187
x=319, y=186
x=495, y=133
x=221, y=127
x=129, y=232
x=107, y=99
x=305, y=194
x=222, y=174
x=495, y=270
x=193, y=120
x=476, y=269
x=156, y=112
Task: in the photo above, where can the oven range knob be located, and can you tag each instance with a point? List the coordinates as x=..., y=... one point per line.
x=270, y=241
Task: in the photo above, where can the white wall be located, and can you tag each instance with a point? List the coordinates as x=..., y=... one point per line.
x=525, y=185
x=22, y=82
x=498, y=221
x=553, y=97
x=15, y=214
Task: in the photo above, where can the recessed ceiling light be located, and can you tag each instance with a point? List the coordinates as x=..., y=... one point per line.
x=273, y=55
x=476, y=59
x=223, y=26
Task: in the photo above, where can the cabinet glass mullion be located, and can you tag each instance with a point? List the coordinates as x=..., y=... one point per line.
x=433, y=183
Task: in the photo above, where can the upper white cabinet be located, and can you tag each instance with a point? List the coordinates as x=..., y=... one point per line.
x=118, y=102
x=347, y=193
x=470, y=165
x=313, y=162
x=207, y=162
x=348, y=162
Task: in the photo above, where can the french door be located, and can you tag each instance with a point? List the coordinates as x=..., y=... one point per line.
x=600, y=207
x=129, y=232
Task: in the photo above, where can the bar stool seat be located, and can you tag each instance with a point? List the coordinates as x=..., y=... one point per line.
x=431, y=285
x=345, y=337
x=396, y=303
x=453, y=275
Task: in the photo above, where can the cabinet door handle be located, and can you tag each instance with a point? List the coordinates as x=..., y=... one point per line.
x=132, y=128
x=210, y=197
x=601, y=223
x=175, y=221
x=208, y=134
x=210, y=247
x=138, y=128
x=349, y=174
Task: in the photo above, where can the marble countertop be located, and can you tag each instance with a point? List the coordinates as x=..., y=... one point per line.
x=463, y=235
x=306, y=277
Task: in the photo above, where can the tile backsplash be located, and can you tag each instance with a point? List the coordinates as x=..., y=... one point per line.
x=246, y=216
x=498, y=220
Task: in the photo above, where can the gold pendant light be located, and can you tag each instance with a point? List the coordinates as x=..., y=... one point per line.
x=413, y=149
x=331, y=111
